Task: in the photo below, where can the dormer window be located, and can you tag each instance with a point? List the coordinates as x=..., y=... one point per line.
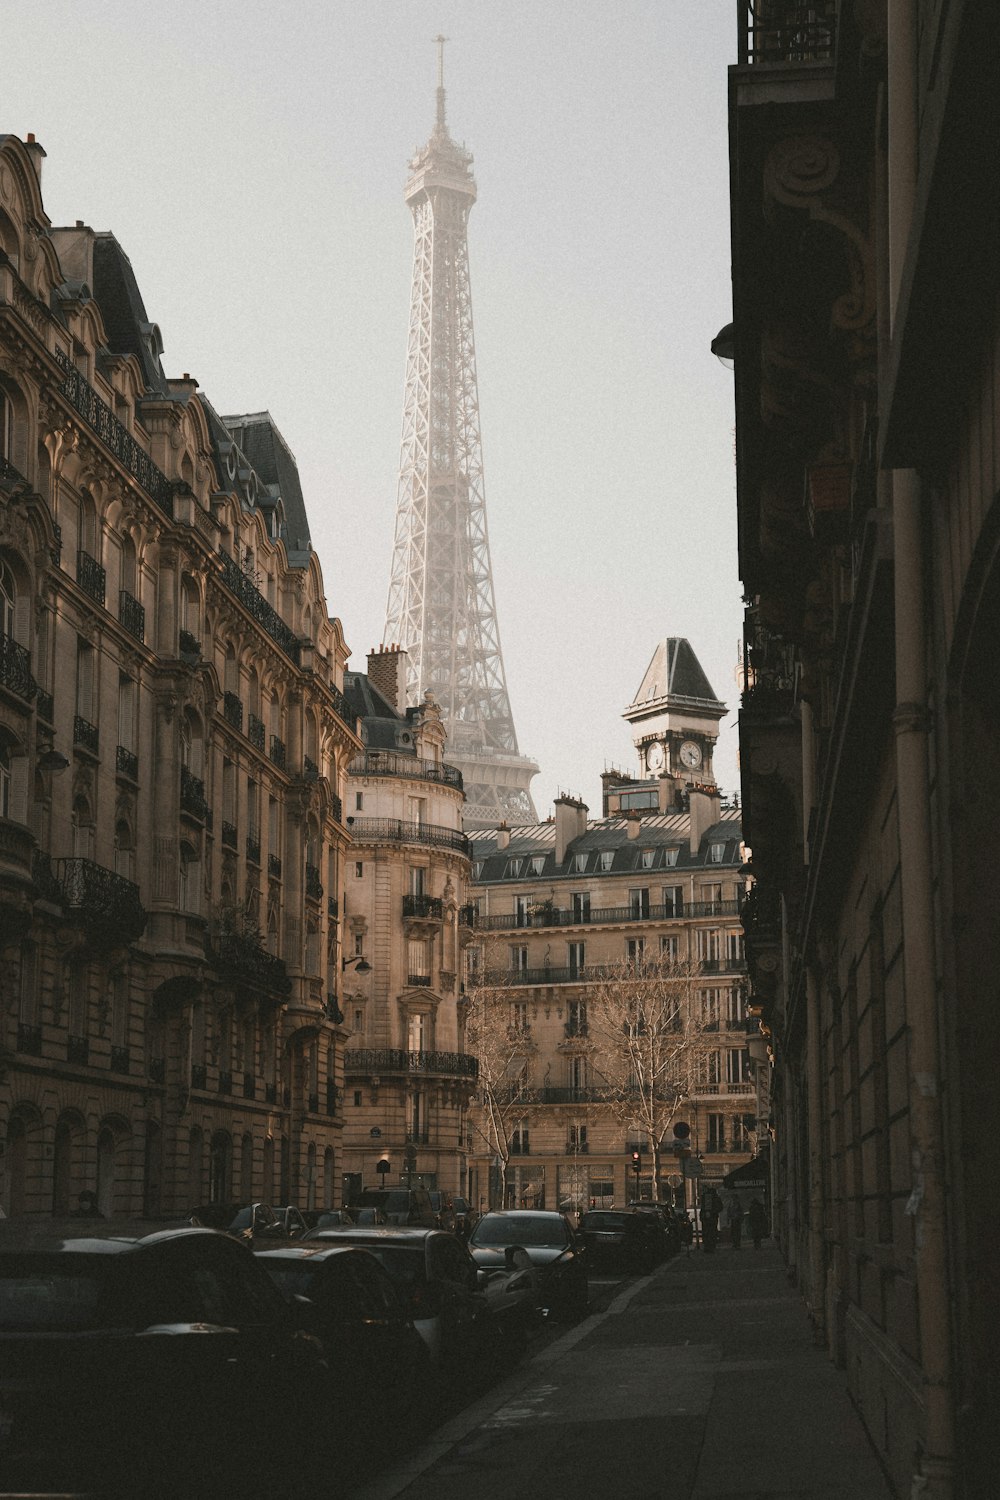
x=716, y=853
x=514, y=868
x=537, y=865
x=646, y=858
x=477, y=870
x=670, y=856
x=579, y=863
x=607, y=859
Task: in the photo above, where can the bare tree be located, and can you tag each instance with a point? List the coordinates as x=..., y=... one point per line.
x=503, y=1045
x=652, y=1038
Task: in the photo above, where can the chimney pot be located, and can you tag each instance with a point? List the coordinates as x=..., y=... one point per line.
x=37, y=154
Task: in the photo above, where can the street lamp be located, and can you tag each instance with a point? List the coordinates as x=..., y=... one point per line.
x=358, y=962
x=723, y=346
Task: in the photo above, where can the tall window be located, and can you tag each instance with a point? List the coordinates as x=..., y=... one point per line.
x=646, y=858
x=673, y=900
x=737, y=1065
x=85, y=680
x=126, y=713
x=417, y=961
x=519, y=1017
x=709, y=945
x=736, y=1005
x=576, y=1023
x=578, y=1072
x=417, y=878
x=670, y=948
x=710, y=1008
x=638, y=901
x=416, y=1033
x=521, y=907
x=518, y=957
x=734, y=944
x=716, y=1133
x=581, y=906
x=575, y=955
x=8, y=599
x=635, y=951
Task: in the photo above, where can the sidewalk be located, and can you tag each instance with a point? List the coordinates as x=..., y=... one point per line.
x=700, y=1382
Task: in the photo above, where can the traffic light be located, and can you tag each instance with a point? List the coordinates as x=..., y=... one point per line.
x=636, y=1159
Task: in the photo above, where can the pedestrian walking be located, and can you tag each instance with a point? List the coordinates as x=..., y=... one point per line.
x=711, y=1208
x=734, y=1216
x=758, y=1221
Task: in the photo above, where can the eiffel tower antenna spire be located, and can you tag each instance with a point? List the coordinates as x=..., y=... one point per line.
x=441, y=605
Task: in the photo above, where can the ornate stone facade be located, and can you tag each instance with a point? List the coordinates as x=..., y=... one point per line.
x=173, y=749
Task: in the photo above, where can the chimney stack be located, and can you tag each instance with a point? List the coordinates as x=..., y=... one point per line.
x=387, y=672
x=503, y=837
x=37, y=154
x=705, y=805
x=571, y=822
x=633, y=823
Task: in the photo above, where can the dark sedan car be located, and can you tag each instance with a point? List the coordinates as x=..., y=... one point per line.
x=623, y=1239
x=146, y=1364
x=439, y=1282
x=557, y=1254
x=378, y=1363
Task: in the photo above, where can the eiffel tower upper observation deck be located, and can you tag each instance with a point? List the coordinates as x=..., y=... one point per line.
x=441, y=605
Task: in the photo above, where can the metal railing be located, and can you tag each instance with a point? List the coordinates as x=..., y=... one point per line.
x=257, y=607
x=274, y=866
x=314, y=886
x=256, y=732
x=29, y=1039
x=418, y=980
x=199, y=1075
x=396, y=1060
x=253, y=848
x=91, y=576
x=192, y=794
x=15, y=669
x=422, y=906
x=77, y=1049
x=101, y=419
x=157, y=1069
x=276, y=753
x=126, y=763
x=244, y=957
x=591, y=916
x=102, y=898
x=189, y=645
x=85, y=734
x=132, y=615
x=229, y=835
x=310, y=770
x=787, y=31
x=390, y=763
x=232, y=710
x=394, y=830
x=45, y=707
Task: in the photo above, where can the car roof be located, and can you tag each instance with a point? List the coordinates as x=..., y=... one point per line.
x=20, y=1236
x=311, y=1252
x=523, y=1213
x=377, y=1235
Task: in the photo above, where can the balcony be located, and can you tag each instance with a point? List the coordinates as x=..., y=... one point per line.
x=257, y=607
x=332, y=908
x=276, y=752
x=15, y=671
x=90, y=576
x=423, y=906
x=126, y=763
x=103, y=901
x=418, y=979
x=253, y=848
x=722, y=965
x=157, y=1069
x=396, y=1060
x=310, y=770
x=230, y=837
x=342, y=706
x=232, y=711
x=193, y=795
x=12, y=479
x=394, y=831
x=77, y=1049
x=575, y=1029
x=468, y=916
x=189, y=647
x=29, y=1039
x=120, y=1061
x=242, y=958
x=274, y=866
x=86, y=735
x=199, y=1075
x=131, y=615
x=116, y=438
x=594, y=916
x=17, y=862
x=389, y=763
x=337, y=808
x=256, y=732
x=775, y=32
x=45, y=707
x=314, y=886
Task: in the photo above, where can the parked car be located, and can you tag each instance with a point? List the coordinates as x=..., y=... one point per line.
x=400, y=1205
x=623, y=1239
x=159, y=1364
x=440, y=1283
x=256, y=1224
x=558, y=1255
x=514, y=1296
x=378, y=1363
x=466, y=1217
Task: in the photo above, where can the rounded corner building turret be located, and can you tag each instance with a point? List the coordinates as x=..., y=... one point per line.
x=441, y=606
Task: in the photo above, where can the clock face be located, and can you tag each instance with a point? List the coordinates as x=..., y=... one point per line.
x=690, y=754
x=654, y=756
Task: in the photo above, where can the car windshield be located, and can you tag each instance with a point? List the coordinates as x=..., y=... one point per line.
x=404, y=1264
x=292, y=1278
x=519, y=1229
x=390, y=1202
x=260, y=1217
x=51, y=1293
x=604, y=1221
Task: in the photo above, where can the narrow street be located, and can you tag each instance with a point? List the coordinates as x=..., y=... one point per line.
x=699, y=1382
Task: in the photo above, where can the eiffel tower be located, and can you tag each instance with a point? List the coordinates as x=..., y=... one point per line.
x=441, y=605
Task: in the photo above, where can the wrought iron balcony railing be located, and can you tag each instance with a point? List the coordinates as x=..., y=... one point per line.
x=396, y=1060
x=276, y=753
x=595, y=915
x=126, y=763
x=468, y=916
x=253, y=848
x=314, y=886
x=45, y=707
x=91, y=576
x=15, y=669
x=85, y=734
x=103, y=900
x=332, y=907
x=274, y=866
x=189, y=645
x=310, y=770
x=11, y=478
x=418, y=980
x=393, y=830
x=244, y=958
x=256, y=732
x=423, y=906
x=232, y=710
x=342, y=706
x=257, y=607
x=229, y=835
x=337, y=808
x=132, y=615
x=390, y=763
x=115, y=437
x=787, y=31
x=193, y=794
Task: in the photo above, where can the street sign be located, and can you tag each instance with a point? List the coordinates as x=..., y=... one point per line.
x=691, y=1166
x=682, y=1130
x=674, y=1180
x=382, y=1167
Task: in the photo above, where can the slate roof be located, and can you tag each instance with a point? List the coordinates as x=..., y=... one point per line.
x=258, y=437
x=675, y=673
x=659, y=833
x=382, y=726
x=126, y=324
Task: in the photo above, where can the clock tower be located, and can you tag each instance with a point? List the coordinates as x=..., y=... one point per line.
x=675, y=716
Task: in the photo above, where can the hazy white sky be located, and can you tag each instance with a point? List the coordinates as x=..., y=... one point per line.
x=251, y=156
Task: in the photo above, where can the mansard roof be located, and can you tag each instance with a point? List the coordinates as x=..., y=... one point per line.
x=666, y=831
x=256, y=434
x=126, y=324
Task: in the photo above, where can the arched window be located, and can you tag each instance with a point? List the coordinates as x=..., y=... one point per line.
x=62, y=1168
x=82, y=820
x=124, y=852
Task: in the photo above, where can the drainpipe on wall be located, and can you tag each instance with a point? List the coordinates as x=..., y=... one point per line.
x=933, y=1479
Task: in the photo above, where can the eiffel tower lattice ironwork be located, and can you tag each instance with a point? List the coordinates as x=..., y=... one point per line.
x=441, y=605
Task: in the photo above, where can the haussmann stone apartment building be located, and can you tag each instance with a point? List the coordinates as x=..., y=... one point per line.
x=562, y=904
x=174, y=744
